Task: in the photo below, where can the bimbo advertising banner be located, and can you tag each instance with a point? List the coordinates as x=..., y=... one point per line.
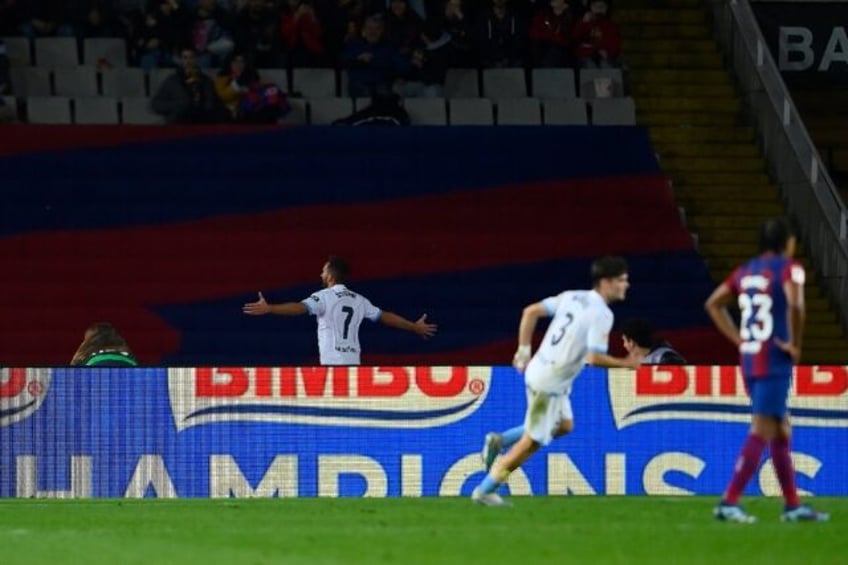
x=392, y=431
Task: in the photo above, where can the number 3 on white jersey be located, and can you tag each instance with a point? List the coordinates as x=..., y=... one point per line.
x=758, y=308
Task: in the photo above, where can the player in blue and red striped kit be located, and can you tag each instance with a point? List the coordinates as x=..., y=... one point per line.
x=770, y=293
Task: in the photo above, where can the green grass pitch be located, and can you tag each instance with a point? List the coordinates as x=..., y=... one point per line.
x=552, y=529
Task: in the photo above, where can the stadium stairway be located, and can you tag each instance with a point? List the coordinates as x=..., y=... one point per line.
x=698, y=126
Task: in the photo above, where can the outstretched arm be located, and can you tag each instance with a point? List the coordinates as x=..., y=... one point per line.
x=419, y=327
x=605, y=360
x=261, y=307
x=716, y=307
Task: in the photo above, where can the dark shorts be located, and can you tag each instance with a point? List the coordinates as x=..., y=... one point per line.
x=769, y=395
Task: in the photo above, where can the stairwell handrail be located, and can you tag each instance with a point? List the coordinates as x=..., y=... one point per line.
x=807, y=189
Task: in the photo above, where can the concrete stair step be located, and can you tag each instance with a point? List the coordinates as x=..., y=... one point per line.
x=712, y=178
x=653, y=118
x=730, y=150
x=737, y=193
x=680, y=134
x=826, y=345
x=822, y=357
x=693, y=60
x=660, y=16
x=679, y=76
x=674, y=90
x=634, y=46
x=689, y=104
x=826, y=331
x=631, y=4
x=642, y=30
x=734, y=208
x=713, y=164
x=716, y=222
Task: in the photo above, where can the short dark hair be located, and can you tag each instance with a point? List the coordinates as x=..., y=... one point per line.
x=338, y=268
x=639, y=331
x=774, y=234
x=607, y=268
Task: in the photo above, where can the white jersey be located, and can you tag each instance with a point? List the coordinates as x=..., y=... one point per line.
x=581, y=323
x=340, y=312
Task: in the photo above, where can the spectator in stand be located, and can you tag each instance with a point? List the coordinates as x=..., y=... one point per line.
x=257, y=33
x=550, y=35
x=45, y=18
x=163, y=29
x=248, y=99
x=597, y=38
x=501, y=35
x=372, y=64
x=455, y=22
x=211, y=33
x=188, y=96
x=103, y=346
x=403, y=27
x=637, y=337
x=303, y=35
x=430, y=60
x=97, y=18
x=11, y=17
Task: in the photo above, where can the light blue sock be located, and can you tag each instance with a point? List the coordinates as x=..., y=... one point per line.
x=489, y=484
x=511, y=436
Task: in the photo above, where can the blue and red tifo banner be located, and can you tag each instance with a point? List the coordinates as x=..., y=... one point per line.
x=166, y=232
x=392, y=431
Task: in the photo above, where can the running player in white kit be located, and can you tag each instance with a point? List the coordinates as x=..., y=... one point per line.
x=578, y=334
x=339, y=311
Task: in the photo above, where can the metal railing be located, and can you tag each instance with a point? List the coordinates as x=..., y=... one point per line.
x=794, y=162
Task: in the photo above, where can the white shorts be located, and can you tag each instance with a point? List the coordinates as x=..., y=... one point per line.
x=544, y=414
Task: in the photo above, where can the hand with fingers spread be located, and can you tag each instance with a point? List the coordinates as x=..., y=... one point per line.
x=423, y=329
x=257, y=308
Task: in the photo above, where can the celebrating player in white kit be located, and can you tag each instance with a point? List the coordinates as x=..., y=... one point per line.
x=339, y=311
x=578, y=334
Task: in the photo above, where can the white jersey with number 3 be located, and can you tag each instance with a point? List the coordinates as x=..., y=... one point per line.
x=340, y=311
x=581, y=323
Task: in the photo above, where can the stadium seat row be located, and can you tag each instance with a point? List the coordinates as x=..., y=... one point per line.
x=321, y=111
x=89, y=80
x=56, y=52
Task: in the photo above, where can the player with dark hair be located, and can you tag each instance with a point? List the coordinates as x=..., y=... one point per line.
x=340, y=312
x=638, y=339
x=770, y=292
x=103, y=346
x=578, y=334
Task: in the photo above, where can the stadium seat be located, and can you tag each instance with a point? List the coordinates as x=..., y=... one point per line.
x=361, y=102
x=519, y=112
x=298, y=114
x=462, y=83
x=156, y=77
x=504, y=83
x=324, y=111
x=613, y=112
x=314, y=83
x=587, y=82
x=55, y=52
x=138, y=111
x=553, y=83
x=280, y=77
x=101, y=110
x=426, y=111
x=18, y=51
x=31, y=81
x=105, y=51
x=471, y=112
x=565, y=112
x=124, y=82
x=75, y=81
x=48, y=110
